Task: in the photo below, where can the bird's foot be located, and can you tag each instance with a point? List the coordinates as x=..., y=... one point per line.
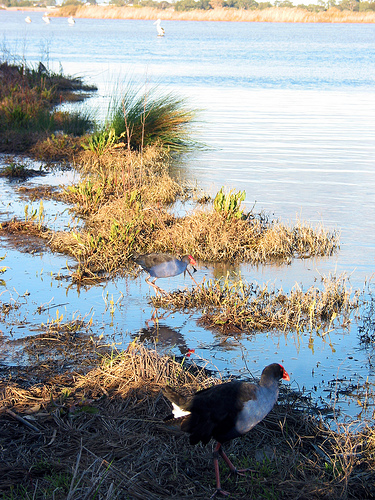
x=219, y=491
x=241, y=472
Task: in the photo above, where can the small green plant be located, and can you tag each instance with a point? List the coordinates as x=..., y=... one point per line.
x=229, y=205
x=2, y=270
x=54, y=323
x=100, y=142
x=87, y=194
x=14, y=170
x=30, y=216
x=34, y=214
x=124, y=234
x=41, y=215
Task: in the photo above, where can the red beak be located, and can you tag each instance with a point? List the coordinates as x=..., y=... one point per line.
x=192, y=261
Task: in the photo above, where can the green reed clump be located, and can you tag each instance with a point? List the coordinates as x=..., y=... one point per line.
x=146, y=116
x=237, y=306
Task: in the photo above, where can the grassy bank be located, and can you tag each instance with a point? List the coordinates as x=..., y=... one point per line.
x=28, y=97
x=100, y=434
x=274, y=15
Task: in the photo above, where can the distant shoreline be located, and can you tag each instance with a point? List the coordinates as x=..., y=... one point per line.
x=274, y=14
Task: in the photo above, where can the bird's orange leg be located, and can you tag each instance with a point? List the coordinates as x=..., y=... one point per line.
x=155, y=287
x=216, y=454
x=230, y=465
x=191, y=276
x=226, y=460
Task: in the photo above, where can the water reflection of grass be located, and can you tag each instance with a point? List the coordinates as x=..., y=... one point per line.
x=102, y=431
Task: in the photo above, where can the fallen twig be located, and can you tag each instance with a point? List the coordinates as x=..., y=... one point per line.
x=23, y=421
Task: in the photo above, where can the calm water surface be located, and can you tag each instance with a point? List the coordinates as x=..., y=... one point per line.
x=288, y=115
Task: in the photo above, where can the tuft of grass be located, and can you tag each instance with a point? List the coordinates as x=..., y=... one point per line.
x=16, y=170
x=100, y=142
x=237, y=306
x=146, y=116
x=56, y=148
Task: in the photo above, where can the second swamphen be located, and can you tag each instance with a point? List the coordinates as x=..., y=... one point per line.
x=164, y=265
x=226, y=411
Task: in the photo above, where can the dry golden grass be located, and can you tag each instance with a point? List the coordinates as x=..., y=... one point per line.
x=124, y=197
x=101, y=434
x=56, y=148
x=275, y=15
x=237, y=306
x=211, y=237
x=121, y=227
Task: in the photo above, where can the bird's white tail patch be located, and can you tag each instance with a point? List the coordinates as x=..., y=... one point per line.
x=178, y=412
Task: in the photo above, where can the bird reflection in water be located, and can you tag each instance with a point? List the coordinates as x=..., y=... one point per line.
x=165, y=337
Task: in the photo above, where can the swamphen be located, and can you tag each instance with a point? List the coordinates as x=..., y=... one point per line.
x=164, y=265
x=225, y=411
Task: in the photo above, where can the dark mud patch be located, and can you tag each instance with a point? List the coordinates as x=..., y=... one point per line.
x=22, y=239
x=39, y=192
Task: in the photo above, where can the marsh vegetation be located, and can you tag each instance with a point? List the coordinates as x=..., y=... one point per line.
x=81, y=420
x=100, y=433
x=27, y=117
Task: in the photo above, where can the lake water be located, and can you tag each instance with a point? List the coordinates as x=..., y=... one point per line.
x=288, y=115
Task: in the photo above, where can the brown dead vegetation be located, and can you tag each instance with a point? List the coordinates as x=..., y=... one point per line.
x=274, y=15
x=101, y=434
x=234, y=306
x=56, y=148
x=125, y=198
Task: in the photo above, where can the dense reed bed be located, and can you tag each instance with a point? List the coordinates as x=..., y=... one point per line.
x=274, y=15
x=100, y=434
